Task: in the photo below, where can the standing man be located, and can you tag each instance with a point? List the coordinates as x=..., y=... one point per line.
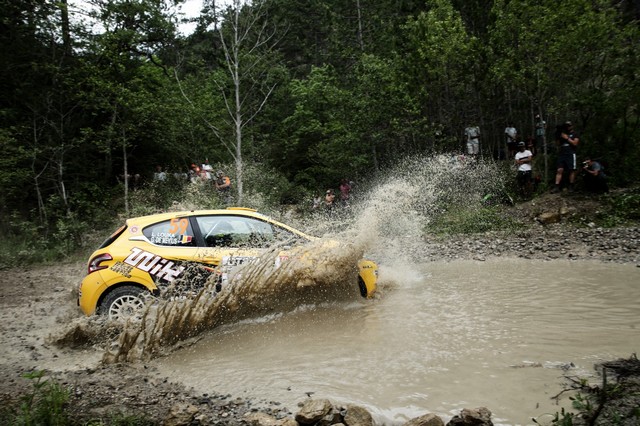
x=568, y=141
x=472, y=134
x=523, y=159
x=511, y=134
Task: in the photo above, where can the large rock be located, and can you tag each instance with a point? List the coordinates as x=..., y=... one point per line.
x=425, y=420
x=180, y=414
x=472, y=417
x=549, y=217
x=357, y=416
x=264, y=419
x=261, y=419
x=313, y=411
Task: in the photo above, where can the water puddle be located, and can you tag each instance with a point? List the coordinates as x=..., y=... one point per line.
x=499, y=334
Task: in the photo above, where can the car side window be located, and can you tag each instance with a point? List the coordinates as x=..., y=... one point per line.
x=238, y=231
x=176, y=232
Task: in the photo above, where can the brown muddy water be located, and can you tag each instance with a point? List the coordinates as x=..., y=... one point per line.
x=442, y=337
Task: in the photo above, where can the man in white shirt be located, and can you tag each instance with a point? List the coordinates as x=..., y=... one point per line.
x=472, y=134
x=523, y=159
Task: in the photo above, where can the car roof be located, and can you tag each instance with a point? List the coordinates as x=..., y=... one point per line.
x=229, y=211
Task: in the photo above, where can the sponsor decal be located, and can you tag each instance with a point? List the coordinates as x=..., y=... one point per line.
x=236, y=260
x=167, y=239
x=155, y=265
x=122, y=269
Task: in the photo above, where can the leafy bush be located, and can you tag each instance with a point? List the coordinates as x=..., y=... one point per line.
x=470, y=220
x=621, y=208
x=44, y=405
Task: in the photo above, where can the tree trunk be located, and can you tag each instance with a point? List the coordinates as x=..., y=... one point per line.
x=126, y=173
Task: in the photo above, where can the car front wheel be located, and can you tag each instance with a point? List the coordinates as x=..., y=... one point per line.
x=123, y=303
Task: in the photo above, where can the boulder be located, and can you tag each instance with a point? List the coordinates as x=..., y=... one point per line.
x=472, y=417
x=549, y=217
x=425, y=420
x=313, y=410
x=357, y=416
x=264, y=419
x=180, y=414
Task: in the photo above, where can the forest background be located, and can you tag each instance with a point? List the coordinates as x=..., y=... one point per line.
x=289, y=97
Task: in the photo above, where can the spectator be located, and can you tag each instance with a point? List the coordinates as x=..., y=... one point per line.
x=317, y=201
x=223, y=185
x=511, y=134
x=329, y=199
x=595, y=180
x=567, y=140
x=159, y=175
x=345, y=192
x=207, y=169
x=523, y=159
x=472, y=134
x=194, y=173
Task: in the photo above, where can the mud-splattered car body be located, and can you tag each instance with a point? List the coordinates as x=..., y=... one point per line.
x=151, y=252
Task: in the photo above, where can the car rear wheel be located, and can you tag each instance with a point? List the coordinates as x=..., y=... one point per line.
x=123, y=303
x=363, y=287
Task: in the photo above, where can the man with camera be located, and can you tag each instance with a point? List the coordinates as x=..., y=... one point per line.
x=568, y=141
x=594, y=178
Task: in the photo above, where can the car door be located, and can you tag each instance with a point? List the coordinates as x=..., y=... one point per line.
x=160, y=251
x=229, y=241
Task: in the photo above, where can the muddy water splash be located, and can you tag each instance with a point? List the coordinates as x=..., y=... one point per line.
x=317, y=272
x=384, y=222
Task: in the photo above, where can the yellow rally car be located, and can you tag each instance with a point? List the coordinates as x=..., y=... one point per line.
x=148, y=253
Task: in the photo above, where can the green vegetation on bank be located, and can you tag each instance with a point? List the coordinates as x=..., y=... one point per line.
x=48, y=403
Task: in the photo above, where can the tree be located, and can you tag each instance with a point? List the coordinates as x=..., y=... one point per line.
x=439, y=66
x=251, y=66
x=564, y=58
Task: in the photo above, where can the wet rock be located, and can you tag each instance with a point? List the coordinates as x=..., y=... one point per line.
x=333, y=418
x=180, y=414
x=425, y=420
x=549, y=217
x=472, y=417
x=357, y=416
x=313, y=410
x=263, y=419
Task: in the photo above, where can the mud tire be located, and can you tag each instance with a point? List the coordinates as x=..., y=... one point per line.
x=123, y=303
x=363, y=287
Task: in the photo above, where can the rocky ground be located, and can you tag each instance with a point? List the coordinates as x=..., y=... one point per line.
x=37, y=303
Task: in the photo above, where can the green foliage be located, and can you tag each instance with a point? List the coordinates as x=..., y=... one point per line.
x=622, y=208
x=374, y=82
x=44, y=405
x=47, y=404
x=470, y=220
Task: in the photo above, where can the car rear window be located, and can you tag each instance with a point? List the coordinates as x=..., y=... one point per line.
x=113, y=237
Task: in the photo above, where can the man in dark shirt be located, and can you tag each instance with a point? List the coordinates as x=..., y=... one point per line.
x=568, y=141
x=594, y=178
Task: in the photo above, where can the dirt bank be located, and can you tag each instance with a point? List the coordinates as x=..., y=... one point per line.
x=38, y=304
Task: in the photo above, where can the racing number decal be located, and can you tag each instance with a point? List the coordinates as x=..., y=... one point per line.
x=178, y=224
